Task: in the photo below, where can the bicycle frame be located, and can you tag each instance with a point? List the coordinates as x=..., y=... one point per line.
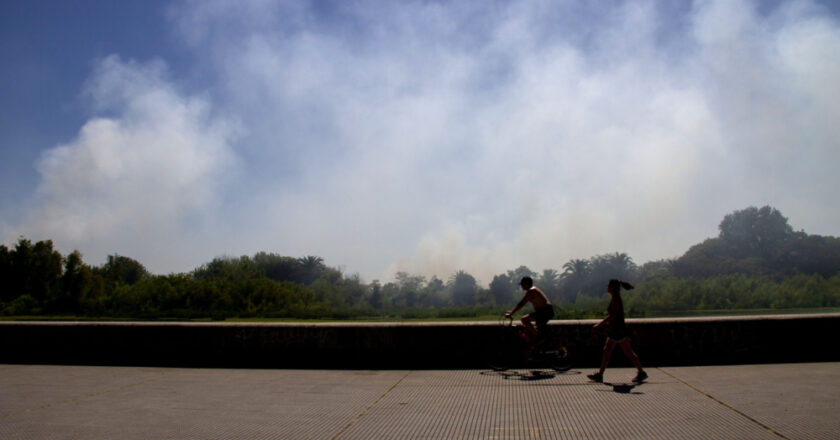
x=542, y=349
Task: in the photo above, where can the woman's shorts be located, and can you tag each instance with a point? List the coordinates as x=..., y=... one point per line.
x=618, y=335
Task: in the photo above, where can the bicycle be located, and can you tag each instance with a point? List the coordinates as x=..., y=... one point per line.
x=545, y=352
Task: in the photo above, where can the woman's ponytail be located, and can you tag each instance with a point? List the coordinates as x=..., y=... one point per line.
x=617, y=284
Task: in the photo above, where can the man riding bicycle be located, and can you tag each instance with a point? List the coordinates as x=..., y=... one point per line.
x=534, y=322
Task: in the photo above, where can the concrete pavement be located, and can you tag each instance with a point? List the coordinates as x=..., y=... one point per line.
x=792, y=401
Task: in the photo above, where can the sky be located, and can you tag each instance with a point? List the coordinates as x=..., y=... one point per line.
x=419, y=136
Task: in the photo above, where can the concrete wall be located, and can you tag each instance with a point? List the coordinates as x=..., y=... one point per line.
x=659, y=342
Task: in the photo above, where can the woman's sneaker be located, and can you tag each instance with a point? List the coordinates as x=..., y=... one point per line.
x=596, y=377
x=640, y=377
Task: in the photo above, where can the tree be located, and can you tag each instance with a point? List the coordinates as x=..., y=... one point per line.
x=231, y=269
x=376, y=300
x=410, y=286
x=576, y=269
x=622, y=265
x=76, y=283
x=31, y=270
x=500, y=289
x=657, y=269
x=277, y=267
x=435, y=284
x=810, y=254
x=21, y=257
x=434, y=294
x=464, y=287
x=42, y=266
x=754, y=232
x=576, y=273
x=352, y=289
x=311, y=266
x=123, y=270
x=549, y=282
x=517, y=274
x=759, y=242
x=7, y=275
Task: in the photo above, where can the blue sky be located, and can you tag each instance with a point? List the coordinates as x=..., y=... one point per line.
x=420, y=136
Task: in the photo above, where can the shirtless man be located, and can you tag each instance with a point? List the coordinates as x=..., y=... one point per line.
x=543, y=311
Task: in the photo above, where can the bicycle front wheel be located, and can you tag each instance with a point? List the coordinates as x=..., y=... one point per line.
x=558, y=359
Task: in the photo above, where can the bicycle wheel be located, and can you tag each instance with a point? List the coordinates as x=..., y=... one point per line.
x=499, y=362
x=558, y=359
x=506, y=351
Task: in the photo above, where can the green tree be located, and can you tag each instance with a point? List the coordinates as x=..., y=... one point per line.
x=464, y=288
x=576, y=275
x=754, y=232
x=311, y=268
x=278, y=267
x=520, y=272
x=76, y=285
x=123, y=269
x=576, y=269
x=40, y=266
x=377, y=299
x=434, y=294
x=622, y=265
x=809, y=254
x=501, y=290
x=549, y=282
x=409, y=288
x=7, y=275
x=656, y=269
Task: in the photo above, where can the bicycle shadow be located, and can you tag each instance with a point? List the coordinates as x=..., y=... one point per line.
x=531, y=375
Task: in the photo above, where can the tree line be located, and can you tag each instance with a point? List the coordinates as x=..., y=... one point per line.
x=757, y=261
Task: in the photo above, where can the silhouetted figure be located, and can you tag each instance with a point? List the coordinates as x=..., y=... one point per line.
x=534, y=322
x=617, y=332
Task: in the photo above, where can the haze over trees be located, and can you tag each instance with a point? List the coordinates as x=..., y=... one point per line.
x=757, y=261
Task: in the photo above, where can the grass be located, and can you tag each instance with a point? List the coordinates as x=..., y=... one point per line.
x=738, y=312
x=566, y=314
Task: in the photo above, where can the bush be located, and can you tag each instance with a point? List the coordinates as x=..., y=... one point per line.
x=21, y=306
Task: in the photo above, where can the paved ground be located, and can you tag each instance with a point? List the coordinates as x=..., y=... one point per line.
x=738, y=402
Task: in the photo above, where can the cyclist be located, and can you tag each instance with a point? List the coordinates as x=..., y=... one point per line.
x=534, y=322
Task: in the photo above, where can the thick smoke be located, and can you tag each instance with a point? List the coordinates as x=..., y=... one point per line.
x=431, y=137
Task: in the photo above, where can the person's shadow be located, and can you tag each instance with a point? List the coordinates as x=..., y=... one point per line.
x=624, y=388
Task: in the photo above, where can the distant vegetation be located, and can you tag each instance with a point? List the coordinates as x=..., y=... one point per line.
x=756, y=262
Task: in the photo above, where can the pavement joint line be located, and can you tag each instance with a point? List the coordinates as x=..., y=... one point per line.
x=362, y=414
x=79, y=398
x=725, y=405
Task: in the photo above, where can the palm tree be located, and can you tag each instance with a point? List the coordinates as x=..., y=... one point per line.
x=549, y=277
x=311, y=262
x=576, y=269
x=622, y=264
x=311, y=267
x=576, y=272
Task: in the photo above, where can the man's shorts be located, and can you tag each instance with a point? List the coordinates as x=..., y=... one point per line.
x=543, y=315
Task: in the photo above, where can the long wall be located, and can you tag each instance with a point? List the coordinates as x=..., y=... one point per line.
x=659, y=342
